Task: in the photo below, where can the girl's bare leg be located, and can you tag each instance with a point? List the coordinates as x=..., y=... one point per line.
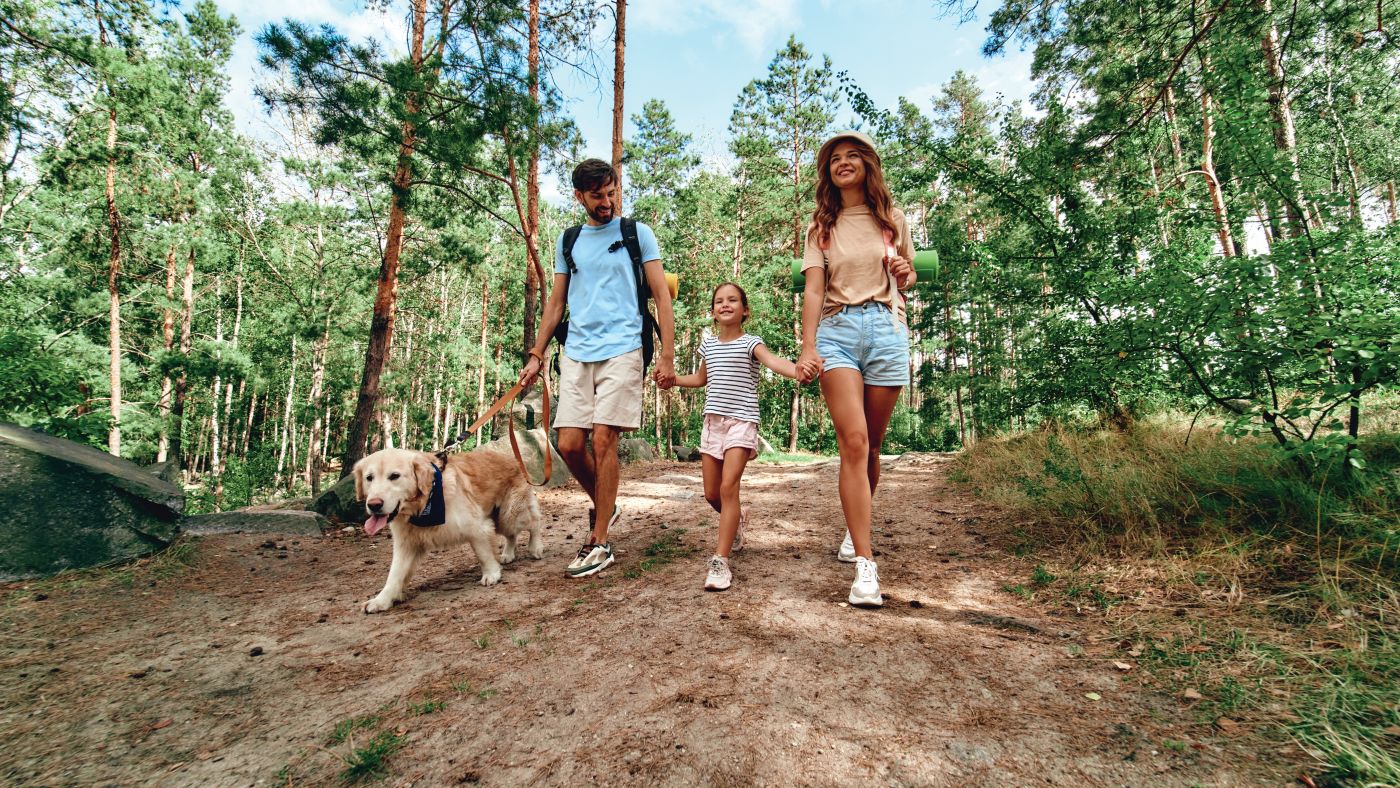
x=734, y=461
x=711, y=470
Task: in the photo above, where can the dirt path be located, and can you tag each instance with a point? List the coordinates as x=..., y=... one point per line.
x=250, y=667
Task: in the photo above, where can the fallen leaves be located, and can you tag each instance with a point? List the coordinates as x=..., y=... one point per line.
x=1190, y=693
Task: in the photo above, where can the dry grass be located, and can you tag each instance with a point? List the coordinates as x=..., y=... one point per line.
x=1221, y=571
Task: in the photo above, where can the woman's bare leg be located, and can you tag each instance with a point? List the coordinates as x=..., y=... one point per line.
x=844, y=392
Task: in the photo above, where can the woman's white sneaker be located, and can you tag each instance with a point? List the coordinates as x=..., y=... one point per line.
x=847, y=553
x=719, y=577
x=865, y=591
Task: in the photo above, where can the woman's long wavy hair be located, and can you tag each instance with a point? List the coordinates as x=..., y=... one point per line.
x=877, y=194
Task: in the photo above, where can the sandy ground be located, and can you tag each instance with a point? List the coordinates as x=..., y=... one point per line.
x=238, y=669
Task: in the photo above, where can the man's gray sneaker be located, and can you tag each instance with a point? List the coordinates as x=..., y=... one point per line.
x=591, y=559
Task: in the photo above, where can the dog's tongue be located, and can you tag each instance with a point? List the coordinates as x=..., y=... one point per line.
x=376, y=523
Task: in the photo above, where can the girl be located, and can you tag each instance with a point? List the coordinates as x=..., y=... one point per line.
x=729, y=361
x=856, y=261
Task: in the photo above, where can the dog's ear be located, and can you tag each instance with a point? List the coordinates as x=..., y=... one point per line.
x=423, y=474
x=359, y=472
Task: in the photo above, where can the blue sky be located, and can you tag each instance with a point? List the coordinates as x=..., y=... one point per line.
x=696, y=55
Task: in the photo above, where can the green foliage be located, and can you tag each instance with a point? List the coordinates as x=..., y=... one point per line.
x=369, y=762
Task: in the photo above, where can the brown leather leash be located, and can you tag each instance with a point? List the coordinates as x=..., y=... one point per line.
x=504, y=400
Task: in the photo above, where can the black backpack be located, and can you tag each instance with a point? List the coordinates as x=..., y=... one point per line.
x=634, y=250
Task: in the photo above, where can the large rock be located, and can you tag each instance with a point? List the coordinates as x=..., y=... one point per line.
x=339, y=503
x=687, y=453
x=631, y=450
x=168, y=470
x=70, y=506
x=531, y=451
x=266, y=521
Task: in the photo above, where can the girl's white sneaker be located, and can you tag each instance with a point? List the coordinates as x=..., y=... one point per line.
x=718, y=577
x=865, y=591
x=847, y=553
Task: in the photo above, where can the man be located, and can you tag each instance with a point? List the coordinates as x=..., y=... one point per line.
x=601, y=368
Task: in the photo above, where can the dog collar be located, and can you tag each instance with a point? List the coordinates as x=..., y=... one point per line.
x=435, y=512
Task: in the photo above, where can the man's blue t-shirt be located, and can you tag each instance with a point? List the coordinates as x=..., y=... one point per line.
x=603, y=317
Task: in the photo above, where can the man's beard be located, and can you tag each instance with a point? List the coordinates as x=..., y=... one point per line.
x=597, y=216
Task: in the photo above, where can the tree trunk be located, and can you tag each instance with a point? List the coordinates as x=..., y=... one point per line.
x=228, y=388
x=186, y=344
x=382, y=324
x=215, y=459
x=481, y=363
x=1217, y=199
x=285, y=433
x=312, y=469
x=1285, y=137
x=167, y=331
x=534, y=273
x=619, y=45
x=114, y=314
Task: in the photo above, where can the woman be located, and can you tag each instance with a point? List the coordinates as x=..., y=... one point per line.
x=857, y=259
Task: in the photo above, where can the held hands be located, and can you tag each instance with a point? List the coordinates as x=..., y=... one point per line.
x=665, y=374
x=809, y=365
x=901, y=269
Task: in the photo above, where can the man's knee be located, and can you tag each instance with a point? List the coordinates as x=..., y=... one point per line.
x=604, y=441
x=571, y=443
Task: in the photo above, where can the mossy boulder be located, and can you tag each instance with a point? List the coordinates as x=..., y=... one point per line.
x=72, y=506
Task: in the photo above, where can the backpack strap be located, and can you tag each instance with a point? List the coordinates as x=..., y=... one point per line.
x=570, y=238
x=634, y=250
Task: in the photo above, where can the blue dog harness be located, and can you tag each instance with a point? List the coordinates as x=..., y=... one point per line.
x=435, y=512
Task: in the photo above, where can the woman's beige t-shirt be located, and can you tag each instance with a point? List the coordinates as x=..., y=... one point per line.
x=855, y=273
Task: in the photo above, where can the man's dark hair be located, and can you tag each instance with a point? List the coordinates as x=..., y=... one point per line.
x=591, y=174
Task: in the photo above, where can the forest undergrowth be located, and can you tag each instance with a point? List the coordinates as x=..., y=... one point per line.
x=1266, y=598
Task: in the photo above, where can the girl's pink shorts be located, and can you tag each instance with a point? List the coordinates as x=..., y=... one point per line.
x=722, y=433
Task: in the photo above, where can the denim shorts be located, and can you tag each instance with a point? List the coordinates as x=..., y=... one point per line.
x=869, y=339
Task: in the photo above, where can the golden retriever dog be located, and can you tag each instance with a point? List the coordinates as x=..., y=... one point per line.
x=484, y=493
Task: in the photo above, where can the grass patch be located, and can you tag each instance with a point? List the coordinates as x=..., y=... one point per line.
x=349, y=725
x=667, y=549
x=368, y=762
x=1265, y=599
x=430, y=706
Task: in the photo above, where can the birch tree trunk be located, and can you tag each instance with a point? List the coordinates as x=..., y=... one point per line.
x=1285, y=136
x=167, y=332
x=114, y=261
x=186, y=344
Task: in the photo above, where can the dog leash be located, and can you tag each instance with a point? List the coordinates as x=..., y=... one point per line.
x=501, y=402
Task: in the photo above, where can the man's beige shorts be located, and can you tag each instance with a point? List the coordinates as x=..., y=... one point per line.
x=605, y=392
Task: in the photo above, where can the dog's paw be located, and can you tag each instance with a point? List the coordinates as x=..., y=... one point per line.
x=508, y=554
x=491, y=577
x=537, y=552
x=378, y=605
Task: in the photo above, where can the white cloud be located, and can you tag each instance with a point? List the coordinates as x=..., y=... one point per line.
x=756, y=24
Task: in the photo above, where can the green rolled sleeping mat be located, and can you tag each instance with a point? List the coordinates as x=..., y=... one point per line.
x=925, y=265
